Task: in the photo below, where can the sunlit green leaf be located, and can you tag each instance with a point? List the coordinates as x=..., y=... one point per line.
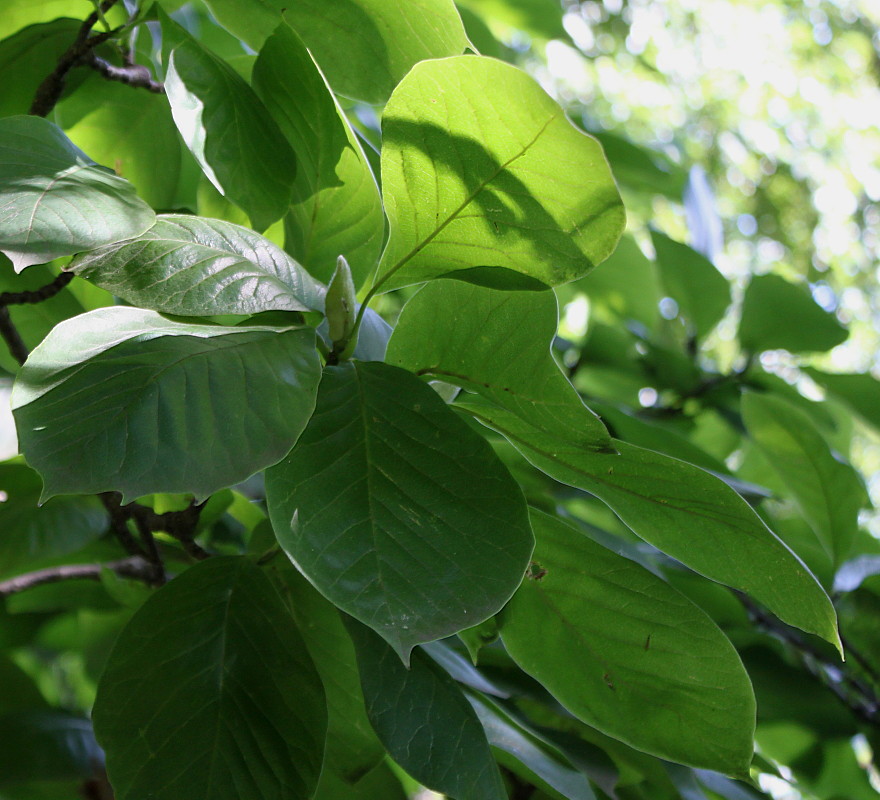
x=124, y=399
x=477, y=179
x=87, y=206
x=209, y=693
x=393, y=508
x=194, y=266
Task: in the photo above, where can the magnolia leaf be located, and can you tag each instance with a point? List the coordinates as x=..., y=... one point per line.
x=396, y=510
x=123, y=399
x=472, y=178
x=56, y=201
x=193, y=266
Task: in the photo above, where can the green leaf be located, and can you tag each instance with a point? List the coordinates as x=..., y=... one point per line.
x=503, y=179
x=132, y=131
x=209, y=693
x=396, y=510
x=193, y=266
x=366, y=47
x=860, y=392
x=689, y=278
x=352, y=748
x=536, y=753
x=54, y=200
x=425, y=722
x=30, y=533
x=778, y=314
x=628, y=654
x=231, y=133
x=496, y=344
x=19, y=692
x=123, y=399
x=23, y=60
x=336, y=208
x=535, y=17
x=685, y=512
x=46, y=745
x=828, y=492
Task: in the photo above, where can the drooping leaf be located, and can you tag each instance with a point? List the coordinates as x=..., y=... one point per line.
x=54, y=200
x=209, y=693
x=828, y=492
x=123, y=399
x=628, y=654
x=424, y=721
x=859, y=392
x=689, y=278
x=40, y=745
x=352, y=748
x=335, y=209
x=500, y=179
x=29, y=533
x=396, y=511
x=230, y=132
x=193, y=266
x=536, y=753
x=363, y=46
x=687, y=513
x=779, y=314
x=496, y=344
x=132, y=132
x=23, y=60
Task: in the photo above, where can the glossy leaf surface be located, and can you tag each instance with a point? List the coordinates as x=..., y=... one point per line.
x=497, y=344
x=828, y=491
x=194, y=266
x=504, y=183
x=335, y=208
x=54, y=200
x=628, y=654
x=425, y=722
x=393, y=508
x=229, y=131
x=242, y=712
x=123, y=399
x=688, y=514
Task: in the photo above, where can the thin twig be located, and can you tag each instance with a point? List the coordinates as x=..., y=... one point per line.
x=131, y=74
x=179, y=524
x=119, y=523
x=133, y=567
x=37, y=295
x=12, y=337
x=49, y=91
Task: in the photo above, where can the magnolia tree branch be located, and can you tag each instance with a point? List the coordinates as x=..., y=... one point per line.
x=131, y=74
x=12, y=337
x=134, y=567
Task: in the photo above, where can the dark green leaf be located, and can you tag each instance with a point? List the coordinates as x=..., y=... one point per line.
x=860, y=392
x=628, y=654
x=123, y=399
x=46, y=745
x=779, y=314
x=18, y=692
x=193, y=266
x=336, y=208
x=23, y=60
x=425, y=722
x=828, y=492
x=689, y=278
x=688, y=514
x=231, y=133
x=642, y=169
x=396, y=511
x=496, y=344
x=54, y=200
x=209, y=693
x=504, y=183
x=29, y=533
